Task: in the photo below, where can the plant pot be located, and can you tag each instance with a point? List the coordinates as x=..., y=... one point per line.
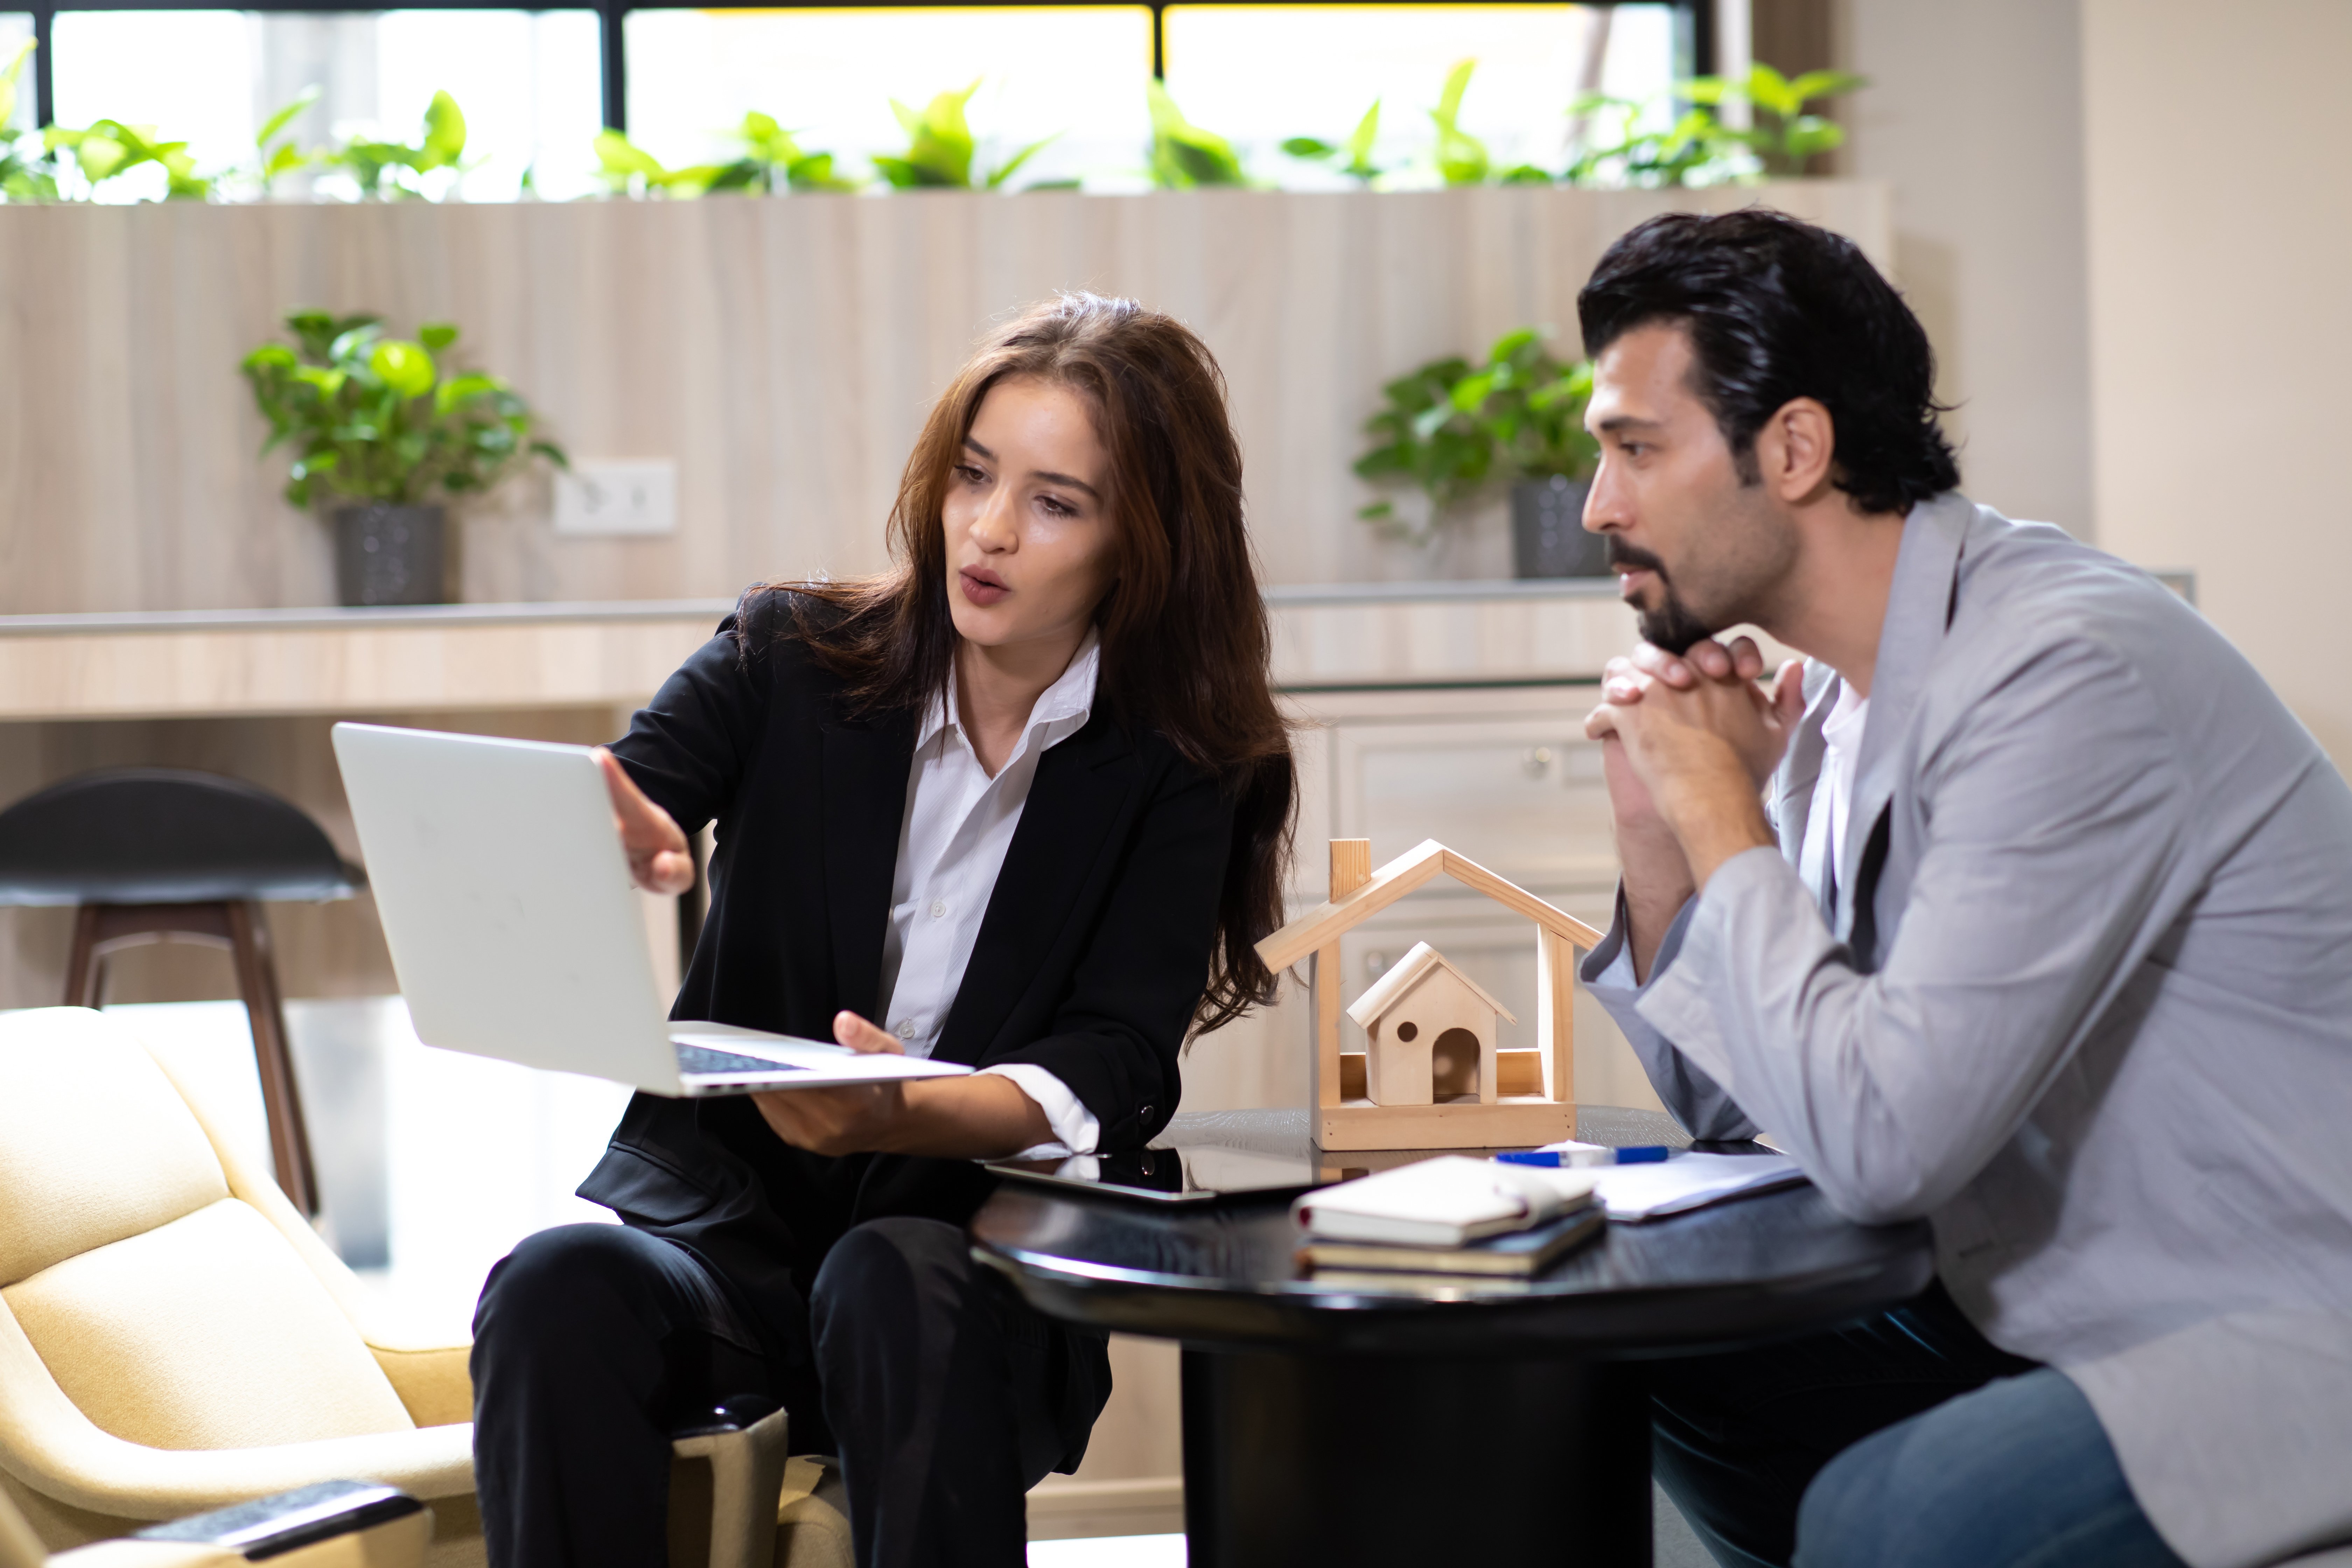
x=388, y=555
x=1547, y=536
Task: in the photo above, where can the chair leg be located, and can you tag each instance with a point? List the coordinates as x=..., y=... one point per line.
x=85, y=970
x=257, y=980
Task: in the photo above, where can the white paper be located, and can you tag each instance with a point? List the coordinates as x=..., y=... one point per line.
x=1688, y=1182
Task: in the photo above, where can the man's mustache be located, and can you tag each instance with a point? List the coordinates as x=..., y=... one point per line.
x=1622, y=556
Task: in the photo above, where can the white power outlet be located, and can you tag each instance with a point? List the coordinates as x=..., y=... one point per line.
x=602, y=499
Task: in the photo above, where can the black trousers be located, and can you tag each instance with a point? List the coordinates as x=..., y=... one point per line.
x=944, y=1396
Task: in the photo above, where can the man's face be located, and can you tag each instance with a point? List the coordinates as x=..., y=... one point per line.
x=1696, y=547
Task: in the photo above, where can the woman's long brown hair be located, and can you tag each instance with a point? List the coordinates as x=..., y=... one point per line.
x=1185, y=642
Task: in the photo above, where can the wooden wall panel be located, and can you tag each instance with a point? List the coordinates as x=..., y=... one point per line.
x=782, y=351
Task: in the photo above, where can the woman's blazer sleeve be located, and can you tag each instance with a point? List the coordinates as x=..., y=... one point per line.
x=689, y=747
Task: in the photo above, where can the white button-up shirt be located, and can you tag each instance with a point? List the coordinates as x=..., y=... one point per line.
x=1823, y=863
x=951, y=844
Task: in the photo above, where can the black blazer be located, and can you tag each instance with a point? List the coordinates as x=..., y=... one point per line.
x=1089, y=961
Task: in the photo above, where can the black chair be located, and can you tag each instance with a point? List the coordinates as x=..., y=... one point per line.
x=165, y=854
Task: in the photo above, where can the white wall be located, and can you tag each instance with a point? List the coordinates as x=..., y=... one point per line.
x=2219, y=220
x=1974, y=116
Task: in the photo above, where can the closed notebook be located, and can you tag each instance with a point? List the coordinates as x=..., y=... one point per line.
x=1445, y=1202
x=1521, y=1254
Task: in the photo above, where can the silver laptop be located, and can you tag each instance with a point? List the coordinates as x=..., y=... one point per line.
x=516, y=933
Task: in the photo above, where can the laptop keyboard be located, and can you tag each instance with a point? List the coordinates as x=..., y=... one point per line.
x=703, y=1059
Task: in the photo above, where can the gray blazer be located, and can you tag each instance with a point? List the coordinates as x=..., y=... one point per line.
x=2085, y=1005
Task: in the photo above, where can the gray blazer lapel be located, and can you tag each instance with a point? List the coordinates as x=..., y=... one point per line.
x=1918, y=608
x=1801, y=770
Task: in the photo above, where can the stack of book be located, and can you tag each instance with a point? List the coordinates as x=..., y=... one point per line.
x=1443, y=1222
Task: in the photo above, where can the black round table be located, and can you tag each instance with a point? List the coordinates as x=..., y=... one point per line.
x=1484, y=1423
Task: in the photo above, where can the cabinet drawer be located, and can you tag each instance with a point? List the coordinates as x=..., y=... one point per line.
x=1523, y=796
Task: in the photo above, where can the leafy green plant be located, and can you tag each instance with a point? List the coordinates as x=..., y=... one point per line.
x=1696, y=149
x=107, y=148
x=1450, y=429
x=286, y=157
x=941, y=148
x=1461, y=158
x=22, y=179
x=628, y=169
x=1358, y=148
x=1426, y=438
x=1184, y=156
x=772, y=161
x=1784, y=136
x=396, y=168
x=372, y=418
x=1532, y=405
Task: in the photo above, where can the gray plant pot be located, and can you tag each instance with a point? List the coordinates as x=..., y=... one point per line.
x=391, y=554
x=1548, y=537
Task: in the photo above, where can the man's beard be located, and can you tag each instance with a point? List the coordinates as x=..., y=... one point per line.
x=1671, y=626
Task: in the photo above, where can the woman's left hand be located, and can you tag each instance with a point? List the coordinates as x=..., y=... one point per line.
x=982, y=1117
x=848, y=1121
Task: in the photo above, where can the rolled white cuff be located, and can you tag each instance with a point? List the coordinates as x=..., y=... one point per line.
x=1074, y=1125
x=1620, y=971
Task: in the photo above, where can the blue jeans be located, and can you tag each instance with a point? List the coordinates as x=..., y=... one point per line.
x=1903, y=1441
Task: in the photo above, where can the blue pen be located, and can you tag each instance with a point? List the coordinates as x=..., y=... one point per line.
x=1638, y=1154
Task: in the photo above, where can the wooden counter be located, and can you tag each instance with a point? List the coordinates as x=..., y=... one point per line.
x=225, y=663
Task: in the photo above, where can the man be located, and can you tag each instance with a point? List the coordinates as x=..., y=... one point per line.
x=2041, y=929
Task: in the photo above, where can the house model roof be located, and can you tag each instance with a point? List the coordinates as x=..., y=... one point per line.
x=1404, y=974
x=1426, y=860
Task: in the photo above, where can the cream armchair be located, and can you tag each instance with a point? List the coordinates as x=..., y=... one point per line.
x=175, y=1339
x=356, y=1526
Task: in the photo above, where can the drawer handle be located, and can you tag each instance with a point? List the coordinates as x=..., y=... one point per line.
x=1537, y=761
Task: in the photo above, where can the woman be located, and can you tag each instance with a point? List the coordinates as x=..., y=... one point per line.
x=1024, y=803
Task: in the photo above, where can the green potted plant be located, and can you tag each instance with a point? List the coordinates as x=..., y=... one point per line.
x=941, y=148
x=1184, y=156
x=385, y=433
x=1452, y=430
x=1427, y=438
x=773, y=161
x=1534, y=406
x=396, y=170
x=1785, y=136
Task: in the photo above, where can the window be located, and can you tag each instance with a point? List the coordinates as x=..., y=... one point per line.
x=1259, y=74
x=1074, y=73
x=528, y=83
x=533, y=85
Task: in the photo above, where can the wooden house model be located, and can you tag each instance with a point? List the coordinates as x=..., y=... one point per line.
x=1420, y=1090
x=1432, y=1032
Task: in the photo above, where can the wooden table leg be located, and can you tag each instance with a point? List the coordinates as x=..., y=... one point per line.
x=1393, y=1460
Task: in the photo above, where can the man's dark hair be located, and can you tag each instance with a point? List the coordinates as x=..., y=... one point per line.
x=1776, y=309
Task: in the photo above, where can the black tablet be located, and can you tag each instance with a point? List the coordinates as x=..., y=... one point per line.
x=1174, y=1175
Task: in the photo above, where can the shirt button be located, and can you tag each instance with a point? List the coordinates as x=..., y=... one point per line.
x=907, y=1030
x=939, y=909
x=1145, y=1115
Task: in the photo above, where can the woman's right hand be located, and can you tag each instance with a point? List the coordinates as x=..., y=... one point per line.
x=660, y=861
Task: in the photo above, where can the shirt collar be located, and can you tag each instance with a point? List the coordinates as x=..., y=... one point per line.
x=1062, y=708
x=1845, y=719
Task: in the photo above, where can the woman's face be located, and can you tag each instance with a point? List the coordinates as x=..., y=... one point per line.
x=1028, y=529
